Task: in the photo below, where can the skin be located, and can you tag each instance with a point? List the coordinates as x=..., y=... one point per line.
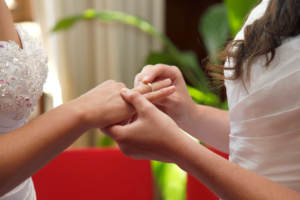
x=8, y=32
x=154, y=135
x=210, y=125
x=26, y=150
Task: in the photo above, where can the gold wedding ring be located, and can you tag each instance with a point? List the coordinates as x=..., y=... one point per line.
x=151, y=86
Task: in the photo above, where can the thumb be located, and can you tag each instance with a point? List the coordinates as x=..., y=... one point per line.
x=115, y=132
x=138, y=101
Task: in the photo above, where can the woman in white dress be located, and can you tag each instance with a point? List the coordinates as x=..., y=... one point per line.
x=26, y=147
x=261, y=131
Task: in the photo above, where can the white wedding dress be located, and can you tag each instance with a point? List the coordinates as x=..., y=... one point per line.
x=265, y=113
x=22, y=76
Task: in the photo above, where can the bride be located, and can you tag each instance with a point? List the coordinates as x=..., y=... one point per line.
x=26, y=147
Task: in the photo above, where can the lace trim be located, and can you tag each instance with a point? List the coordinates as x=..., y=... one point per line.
x=23, y=73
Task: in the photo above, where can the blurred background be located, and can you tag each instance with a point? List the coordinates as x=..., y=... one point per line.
x=93, y=51
x=90, y=41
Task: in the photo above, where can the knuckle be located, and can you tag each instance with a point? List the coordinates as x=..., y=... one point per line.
x=134, y=96
x=175, y=69
x=161, y=65
x=146, y=109
x=146, y=68
x=138, y=77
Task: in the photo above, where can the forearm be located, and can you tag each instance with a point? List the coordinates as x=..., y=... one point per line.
x=227, y=180
x=27, y=149
x=211, y=126
x=7, y=28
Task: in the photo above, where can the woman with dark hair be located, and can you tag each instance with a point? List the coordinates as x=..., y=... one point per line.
x=261, y=131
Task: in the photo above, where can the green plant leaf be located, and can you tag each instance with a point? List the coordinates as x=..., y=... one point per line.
x=171, y=180
x=160, y=57
x=200, y=97
x=237, y=12
x=214, y=28
x=159, y=169
x=106, y=141
x=66, y=23
x=190, y=67
x=224, y=105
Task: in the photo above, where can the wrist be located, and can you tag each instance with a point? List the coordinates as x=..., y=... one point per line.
x=78, y=115
x=198, y=116
x=190, y=118
x=179, y=146
x=186, y=156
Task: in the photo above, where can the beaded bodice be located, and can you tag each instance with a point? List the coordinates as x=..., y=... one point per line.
x=22, y=75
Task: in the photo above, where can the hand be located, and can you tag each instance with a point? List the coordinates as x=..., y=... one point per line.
x=179, y=106
x=103, y=106
x=153, y=135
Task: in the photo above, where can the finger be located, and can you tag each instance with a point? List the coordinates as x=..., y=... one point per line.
x=160, y=71
x=144, y=88
x=160, y=94
x=150, y=73
x=139, y=77
x=114, y=132
x=137, y=100
x=137, y=80
x=147, y=70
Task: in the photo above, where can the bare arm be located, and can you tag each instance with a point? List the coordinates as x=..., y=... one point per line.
x=155, y=136
x=211, y=126
x=27, y=149
x=228, y=180
x=7, y=28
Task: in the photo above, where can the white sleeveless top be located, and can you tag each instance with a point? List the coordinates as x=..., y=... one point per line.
x=265, y=113
x=22, y=75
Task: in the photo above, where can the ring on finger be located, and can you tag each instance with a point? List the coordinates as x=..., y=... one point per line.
x=151, y=86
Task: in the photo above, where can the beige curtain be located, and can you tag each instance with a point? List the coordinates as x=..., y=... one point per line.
x=93, y=51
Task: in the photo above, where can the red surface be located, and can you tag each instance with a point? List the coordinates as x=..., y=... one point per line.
x=196, y=190
x=94, y=174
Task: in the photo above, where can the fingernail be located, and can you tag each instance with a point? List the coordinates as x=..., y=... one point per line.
x=146, y=78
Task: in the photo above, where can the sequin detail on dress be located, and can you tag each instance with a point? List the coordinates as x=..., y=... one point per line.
x=22, y=75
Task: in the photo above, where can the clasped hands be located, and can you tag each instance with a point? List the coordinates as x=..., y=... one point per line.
x=144, y=121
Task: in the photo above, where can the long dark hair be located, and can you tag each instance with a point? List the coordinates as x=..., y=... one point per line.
x=281, y=20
